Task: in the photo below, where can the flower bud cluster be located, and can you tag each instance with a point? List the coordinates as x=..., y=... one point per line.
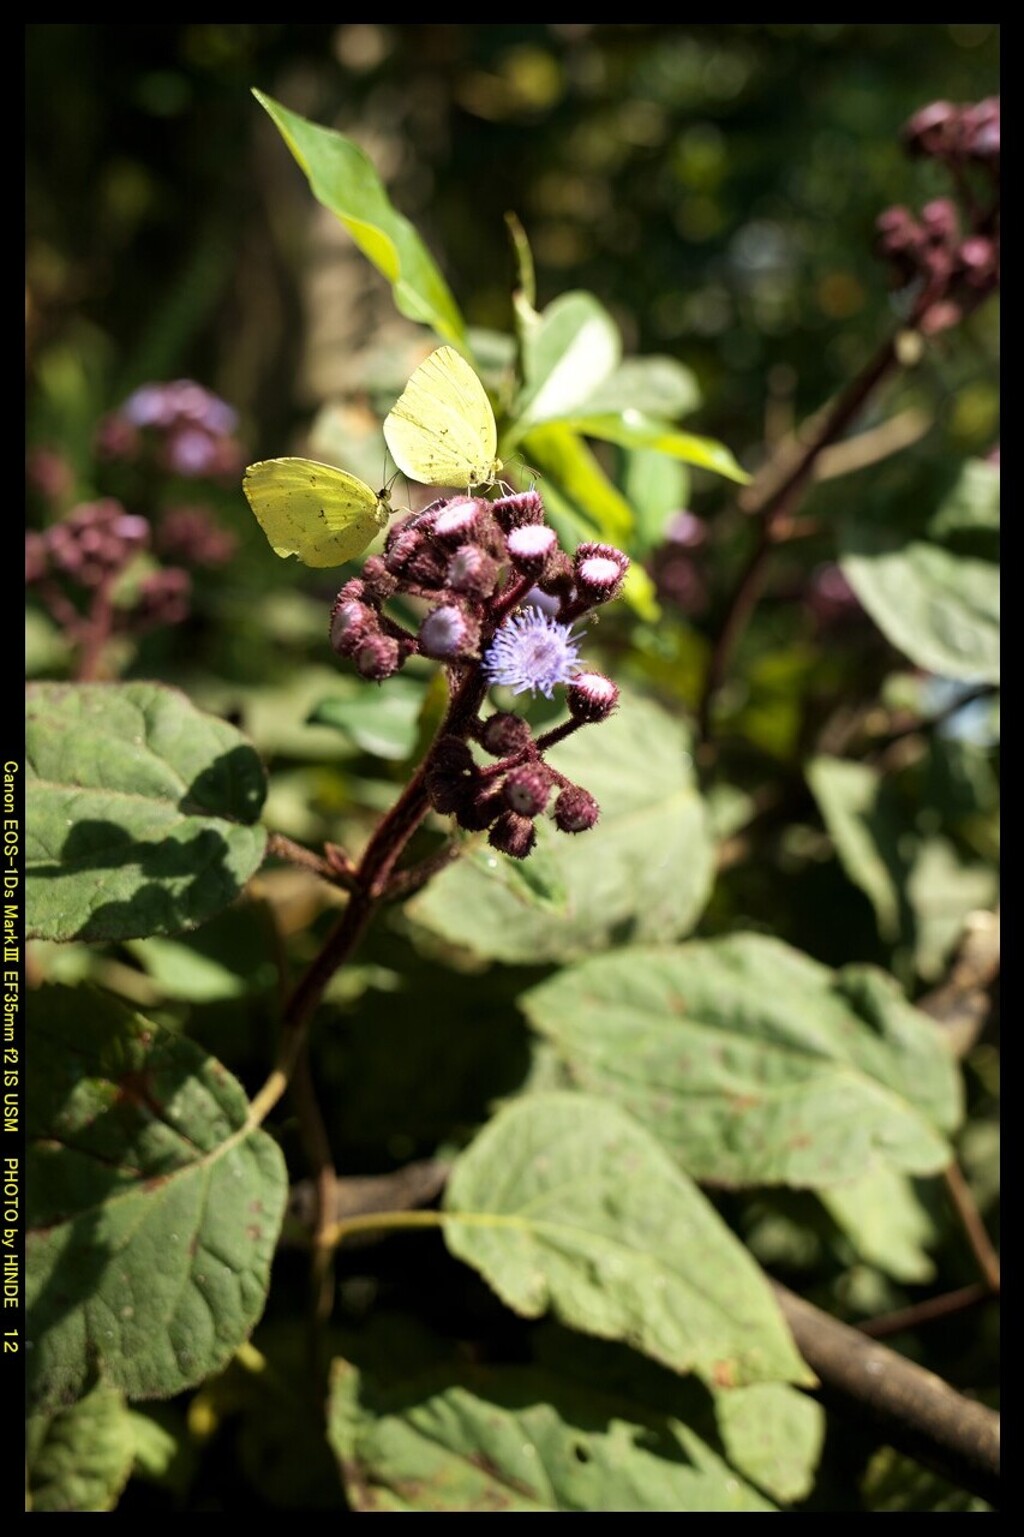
x=87, y=552
x=499, y=600
x=190, y=429
x=948, y=253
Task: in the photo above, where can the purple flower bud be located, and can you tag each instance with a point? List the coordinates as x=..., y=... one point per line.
x=940, y=219
x=576, y=810
x=380, y=582
x=453, y=754
x=600, y=570
x=480, y=809
x=190, y=534
x=980, y=124
x=531, y=546
x=503, y=734
x=686, y=530
x=457, y=522
x=527, y=789
x=513, y=835
x=941, y=316
x=449, y=632
x=591, y=697
x=191, y=451
x=513, y=511
x=472, y=570
x=402, y=543
x=351, y=623
x=35, y=558
x=163, y=599
x=932, y=129
x=377, y=657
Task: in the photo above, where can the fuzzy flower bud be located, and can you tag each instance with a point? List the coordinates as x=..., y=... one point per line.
x=530, y=547
x=576, y=810
x=591, y=697
x=600, y=570
x=513, y=834
x=514, y=511
x=377, y=657
x=351, y=623
x=480, y=810
x=380, y=582
x=527, y=788
x=163, y=599
x=449, y=632
x=503, y=734
x=457, y=522
x=931, y=129
x=472, y=570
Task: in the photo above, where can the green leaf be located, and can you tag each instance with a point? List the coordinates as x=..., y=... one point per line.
x=383, y=722
x=643, y=872
x=140, y=811
x=80, y=1456
x=862, y=815
x=344, y=180
x=752, y=1063
x=940, y=608
x=942, y=888
x=656, y=487
x=971, y=506
x=516, y=1439
x=633, y=429
x=886, y=1223
x=564, y=1202
x=570, y=470
x=774, y=1435
x=893, y=1482
x=154, y=1205
x=656, y=386
x=574, y=347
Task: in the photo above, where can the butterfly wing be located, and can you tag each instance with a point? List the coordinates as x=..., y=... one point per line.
x=319, y=513
x=441, y=431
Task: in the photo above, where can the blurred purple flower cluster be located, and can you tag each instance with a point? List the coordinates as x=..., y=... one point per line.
x=190, y=430
x=948, y=254
x=500, y=600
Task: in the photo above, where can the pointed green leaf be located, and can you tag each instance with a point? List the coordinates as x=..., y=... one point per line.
x=754, y=1064
x=154, y=1206
x=140, y=811
x=344, y=180
x=80, y=1456
x=633, y=429
x=645, y=869
x=568, y=467
x=569, y=1204
x=515, y=1439
x=971, y=506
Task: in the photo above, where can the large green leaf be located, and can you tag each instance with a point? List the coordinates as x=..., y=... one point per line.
x=754, y=1064
x=515, y=1439
x=383, y=722
x=570, y=349
x=141, y=811
x=939, y=607
x=80, y=1456
x=565, y=1202
x=344, y=180
x=154, y=1205
x=643, y=872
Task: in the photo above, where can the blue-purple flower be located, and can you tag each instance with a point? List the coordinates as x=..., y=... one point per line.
x=532, y=651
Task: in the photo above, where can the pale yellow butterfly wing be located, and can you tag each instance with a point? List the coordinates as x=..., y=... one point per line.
x=441, y=431
x=319, y=513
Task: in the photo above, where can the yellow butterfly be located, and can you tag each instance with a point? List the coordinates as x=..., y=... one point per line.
x=441, y=430
x=321, y=514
